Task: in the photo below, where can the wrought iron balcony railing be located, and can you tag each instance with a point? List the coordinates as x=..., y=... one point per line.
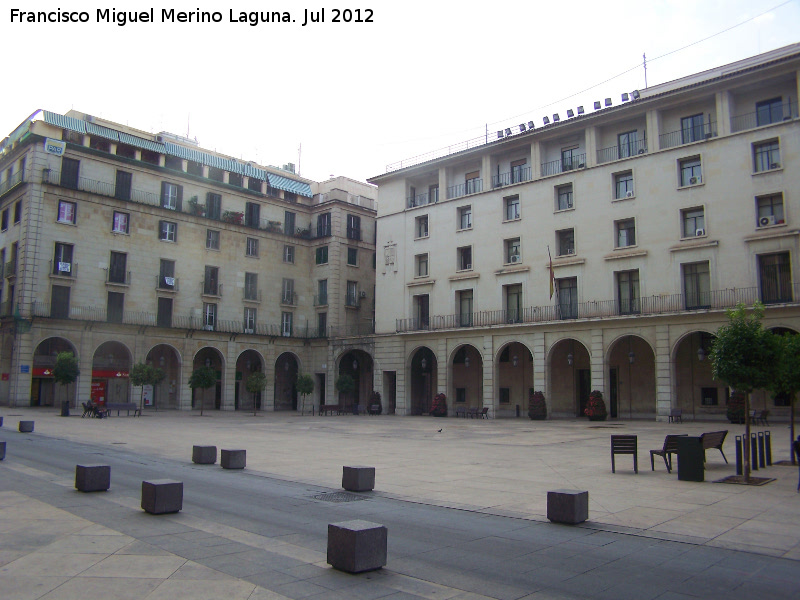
x=687, y=135
x=515, y=176
x=473, y=186
x=619, y=151
x=11, y=182
x=767, y=116
x=577, y=161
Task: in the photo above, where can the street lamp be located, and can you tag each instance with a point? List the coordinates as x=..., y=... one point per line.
x=424, y=363
x=208, y=361
x=701, y=354
x=569, y=359
x=466, y=361
x=514, y=360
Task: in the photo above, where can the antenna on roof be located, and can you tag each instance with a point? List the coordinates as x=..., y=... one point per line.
x=188, y=115
x=299, y=152
x=644, y=59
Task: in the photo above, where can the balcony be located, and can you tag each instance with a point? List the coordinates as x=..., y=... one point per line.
x=354, y=233
x=289, y=298
x=620, y=151
x=357, y=329
x=578, y=161
x=211, y=288
x=422, y=199
x=343, y=196
x=321, y=300
x=777, y=114
x=473, y=186
x=697, y=133
x=11, y=182
x=123, y=278
x=166, y=284
x=351, y=300
x=650, y=305
x=10, y=269
x=251, y=295
x=511, y=177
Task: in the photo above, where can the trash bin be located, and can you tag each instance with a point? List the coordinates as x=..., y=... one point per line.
x=690, y=459
x=65, y=408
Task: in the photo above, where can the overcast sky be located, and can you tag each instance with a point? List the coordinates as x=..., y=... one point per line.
x=359, y=96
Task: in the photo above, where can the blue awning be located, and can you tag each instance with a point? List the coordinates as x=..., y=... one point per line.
x=64, y=122
x=102, y=131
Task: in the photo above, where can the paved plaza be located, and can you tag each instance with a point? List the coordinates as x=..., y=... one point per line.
x=497, y=470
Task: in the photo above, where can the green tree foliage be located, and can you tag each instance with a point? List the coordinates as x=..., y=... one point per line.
x=203, y=378
x=66, y=369
x=142, y=374
x=785, y=378
x=256, y=382
x=305, y=386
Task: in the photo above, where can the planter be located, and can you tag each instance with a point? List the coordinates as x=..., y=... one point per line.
x=596, y=407
x=537, y=407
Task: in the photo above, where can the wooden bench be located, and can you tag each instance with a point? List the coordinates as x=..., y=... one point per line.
x=714, y=439
x=624, y=444
x=670, y=448
x=333, y=408
x=126, y=406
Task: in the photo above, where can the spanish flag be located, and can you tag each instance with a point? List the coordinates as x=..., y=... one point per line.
x=552, y=275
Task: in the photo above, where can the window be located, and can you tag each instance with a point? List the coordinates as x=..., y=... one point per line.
x=694, y=222
x=171, y=196
x=626, y=233
x=513, y=295
x=4, y=220
x=324, y=225
x=121, y=222
x=216, y=174
x=465, y=217
x=286, y=324
x=472, y=182
x=59, y=302
x=209, y=316
x=352, y=257
x=164, y=315
x=353, y=227
x=289, y=196
x=565, y=242
x=126, y=151
x=212, y=239
x=769, y=210
x=628, y=292
x=288, y=222
x=322, y=292
x=213, y=206
x=769, y=111
x=351, y=299
x=766, y=156
x=287, y=291
x=117, y=268
x=69, y=172
x=518, y=170
x=115, y=307
x=564, y=197
x=62, y=260
x=249, y=319
x=421, y=226
x=422, y=311
x=775, y=278
x=66, y=213
x=464, y=257
x=254, y=184
x=421, y=261
x=166, y=274
x=692, y=129
x=322, y=324
x=235, y=179
x=623, y=184
x=18, y=212
x=464, y=300
x=322, y=255
x=505, y=395
x=461, y=395
x=288, y=254
x=697, y=285
x=691, y=173
x=512, y=251
x=211, y=281
x=122, y=187
x=708, y=396
x=251, y=286
x=570, y=159
x=433, y=194
x=567, y=297
x=252, y=214
x=167, y=231
x=627, y=144
x=173, y=162
x=512, y=208
x=251, y=248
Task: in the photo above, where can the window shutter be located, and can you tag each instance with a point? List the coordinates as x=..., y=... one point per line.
x=161, y=230
x=519, y=163
x=180, y=198
x=163, y=192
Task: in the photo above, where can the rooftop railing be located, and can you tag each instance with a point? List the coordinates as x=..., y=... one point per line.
x=344, y=196
x=767, y=116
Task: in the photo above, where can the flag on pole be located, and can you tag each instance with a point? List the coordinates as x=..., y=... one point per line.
x=552, y=275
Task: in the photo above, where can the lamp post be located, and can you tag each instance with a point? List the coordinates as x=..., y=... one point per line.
x=631, y=358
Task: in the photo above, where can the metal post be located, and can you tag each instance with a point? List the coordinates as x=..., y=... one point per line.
x=761, y=455
x=753, y=451
x=738, y=455
x=768, y=443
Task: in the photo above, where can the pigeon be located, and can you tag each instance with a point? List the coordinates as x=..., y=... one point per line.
x=440, y=431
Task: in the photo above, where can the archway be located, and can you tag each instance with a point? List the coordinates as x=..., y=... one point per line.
x=165, y=394
x=570, y=378
x=514, y=374
x=286, y=369
x=697, y=393
x=358, y=365
x=467, y=378
x=249, y=362
x=631, y=379
x=209, y=357
x=43, y=387
x=111, y=365
x=423, y=375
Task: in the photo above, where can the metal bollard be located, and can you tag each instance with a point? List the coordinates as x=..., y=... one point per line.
x=768, y=443
x=761, y=455
x=753, y=452
x=738, y=455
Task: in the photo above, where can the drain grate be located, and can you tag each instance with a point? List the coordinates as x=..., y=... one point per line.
x=339, y=497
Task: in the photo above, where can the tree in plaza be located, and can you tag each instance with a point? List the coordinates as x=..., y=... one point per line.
x=203, y=378
x=305, y=386
x=66, y=370
x=142, y=374
x=785, y=379
x=256, y=382
x=742, y=356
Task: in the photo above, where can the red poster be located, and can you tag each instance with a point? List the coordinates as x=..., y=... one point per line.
x=99, y=392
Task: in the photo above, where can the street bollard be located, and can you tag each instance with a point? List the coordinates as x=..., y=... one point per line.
x=768, y=443
x=761, y=453
x=753, y=452
x=738, y=455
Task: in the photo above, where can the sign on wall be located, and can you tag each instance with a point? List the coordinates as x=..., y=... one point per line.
x=56, y=147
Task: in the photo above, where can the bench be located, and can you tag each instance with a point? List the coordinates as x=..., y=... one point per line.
x=334, y=408
x=714, y=439
x=126, y=406
x=624, y=444
x=670, y=448
x=461, y=411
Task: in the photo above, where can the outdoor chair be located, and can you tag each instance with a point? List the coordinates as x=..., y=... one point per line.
x=762, y=418
x=670, y=448
x=624, y=444
x=87, y=409
x=676, y=414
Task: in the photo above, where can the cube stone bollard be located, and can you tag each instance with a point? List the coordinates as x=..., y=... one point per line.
x=26, y=426
x=92, y=478
x=233, y=459
x=204, y=455
x=160, y=496
x=357, y=546
x=2, y=450
x=358, y=478
x=568, y=506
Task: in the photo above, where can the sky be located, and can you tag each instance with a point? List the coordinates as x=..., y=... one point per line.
x=351, y=98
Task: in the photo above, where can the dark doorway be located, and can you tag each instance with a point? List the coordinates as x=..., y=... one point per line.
x=584, y=389
x=613, y=392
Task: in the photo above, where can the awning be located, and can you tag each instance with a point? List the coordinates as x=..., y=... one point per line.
x=64, y=122
x=102, y=131
x=132, y=140
x=289, y=185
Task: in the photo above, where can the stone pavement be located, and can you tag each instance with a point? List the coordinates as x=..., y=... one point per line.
x=495, y=467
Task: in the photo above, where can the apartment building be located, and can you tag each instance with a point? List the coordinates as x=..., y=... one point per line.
x=654, y=211
x=125, y=247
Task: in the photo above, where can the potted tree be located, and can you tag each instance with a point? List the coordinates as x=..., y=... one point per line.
x=141, y=375
x=305, y=386
x=256, y=382
x=65, y=371
x=596, y=407
x=537, y=407
x=439, y=405
x=345, y=384
x=203, y=378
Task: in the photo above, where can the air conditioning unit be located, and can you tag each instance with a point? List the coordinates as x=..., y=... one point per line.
x=699, y=232
x=570, y=250
x=695, y=180
x=641, y=151
x=362, y=294
x=246, y=330
x=469, y=266
x=766, y=221
x=581, y=165
x=629, y=194
x=516, y=258
x=775, y=166
x=208, y=327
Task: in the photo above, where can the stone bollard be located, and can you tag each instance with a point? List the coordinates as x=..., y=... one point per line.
x=2, y=450
x=357, y=546
x=358, y=478
x=26, y=426
x=568, y=506
x=161, y=496
x=233, y=459
x=204, y=455
x=92, y=478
